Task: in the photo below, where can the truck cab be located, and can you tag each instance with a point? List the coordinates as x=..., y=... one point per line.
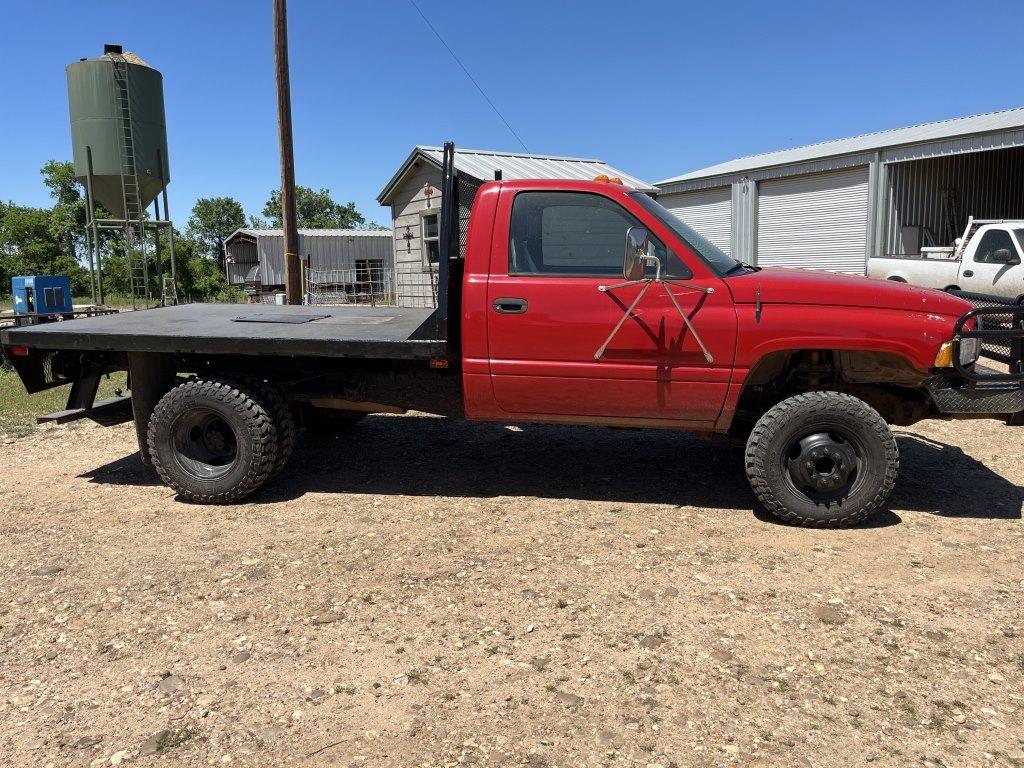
x=992, y=260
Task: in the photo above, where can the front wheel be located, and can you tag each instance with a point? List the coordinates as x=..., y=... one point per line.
x=822, y=459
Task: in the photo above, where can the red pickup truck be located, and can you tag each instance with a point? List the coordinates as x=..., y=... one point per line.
x=559, y=301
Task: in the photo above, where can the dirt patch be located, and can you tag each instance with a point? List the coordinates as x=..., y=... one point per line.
x=425, y=592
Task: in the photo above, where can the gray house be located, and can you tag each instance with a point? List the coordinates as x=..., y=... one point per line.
x=834, y=204
x=414, y=195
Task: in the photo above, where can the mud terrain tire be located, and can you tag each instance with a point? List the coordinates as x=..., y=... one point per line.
x=822, y=459
x=214, y=441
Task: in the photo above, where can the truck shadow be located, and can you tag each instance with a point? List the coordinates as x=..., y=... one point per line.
x=442, y=457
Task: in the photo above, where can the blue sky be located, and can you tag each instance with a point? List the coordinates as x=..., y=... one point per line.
x=369, y=81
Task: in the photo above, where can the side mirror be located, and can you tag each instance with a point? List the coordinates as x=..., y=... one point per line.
x=1005, y=256
x=638, y=244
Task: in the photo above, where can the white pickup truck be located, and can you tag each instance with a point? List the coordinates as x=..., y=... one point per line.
x=987, y=259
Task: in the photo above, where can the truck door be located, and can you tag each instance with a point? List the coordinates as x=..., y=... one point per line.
x=993, y=265
x=547, y=318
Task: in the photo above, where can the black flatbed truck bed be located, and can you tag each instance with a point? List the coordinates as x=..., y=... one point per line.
x=384, y=333
x=217, y=391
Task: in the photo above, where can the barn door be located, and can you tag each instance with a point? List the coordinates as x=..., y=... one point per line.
x=815, y=222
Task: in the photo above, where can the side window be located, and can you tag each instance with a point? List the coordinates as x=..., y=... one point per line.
x=430, y=233
x=992, y=241
x=574, y=233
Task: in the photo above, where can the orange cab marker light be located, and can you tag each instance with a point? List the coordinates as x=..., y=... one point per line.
x=438, y=362
x=18, y=350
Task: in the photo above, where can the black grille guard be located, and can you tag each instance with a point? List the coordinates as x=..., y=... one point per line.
x=1000, y=333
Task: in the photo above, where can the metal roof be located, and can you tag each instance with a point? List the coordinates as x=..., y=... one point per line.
x=481, y=165
x=312, y=233
x=1008, y=119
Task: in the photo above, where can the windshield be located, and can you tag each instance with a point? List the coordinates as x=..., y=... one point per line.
x=711, y=254
x=1020, y=238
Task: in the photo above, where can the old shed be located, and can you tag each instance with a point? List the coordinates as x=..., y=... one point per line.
x=335, y=257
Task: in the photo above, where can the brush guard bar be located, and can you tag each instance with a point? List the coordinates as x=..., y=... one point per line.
x=1000, y=334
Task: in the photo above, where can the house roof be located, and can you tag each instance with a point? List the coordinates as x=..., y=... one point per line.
x=943, y=129
x=481, y=165
x=311, y=233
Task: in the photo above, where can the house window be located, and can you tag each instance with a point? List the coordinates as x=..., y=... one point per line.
x=430, y=230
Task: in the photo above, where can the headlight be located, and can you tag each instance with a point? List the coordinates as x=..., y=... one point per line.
x=970, y=349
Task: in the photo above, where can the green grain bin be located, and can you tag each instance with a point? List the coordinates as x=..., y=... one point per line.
x=117, y=113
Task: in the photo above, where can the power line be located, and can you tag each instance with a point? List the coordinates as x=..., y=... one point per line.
x=471, y=78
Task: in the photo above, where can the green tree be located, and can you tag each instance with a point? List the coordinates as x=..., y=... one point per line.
x=314, y=209
x=212, y=221
x=29, y=245
x=59, y=178
x=68, y=215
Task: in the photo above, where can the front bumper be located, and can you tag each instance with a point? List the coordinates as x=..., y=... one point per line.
x=976, y=389
x=953, y=395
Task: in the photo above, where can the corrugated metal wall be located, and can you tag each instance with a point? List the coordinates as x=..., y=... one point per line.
x=241, y=258
x=327, y=251
x=709, y=211
x=815, y=222
x=988, y=185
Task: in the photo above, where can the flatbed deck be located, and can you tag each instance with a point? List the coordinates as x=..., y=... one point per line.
x=241, y=329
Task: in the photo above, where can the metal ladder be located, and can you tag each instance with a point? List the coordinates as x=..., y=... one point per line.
x=168, y=292
x=135, y=226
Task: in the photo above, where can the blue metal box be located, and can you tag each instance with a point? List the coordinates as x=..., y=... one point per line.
x=42, y=294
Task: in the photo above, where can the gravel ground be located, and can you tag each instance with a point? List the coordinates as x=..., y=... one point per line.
x=425, y=592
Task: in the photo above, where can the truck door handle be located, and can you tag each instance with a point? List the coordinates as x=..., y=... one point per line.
x=968, y=273
x=510, y=306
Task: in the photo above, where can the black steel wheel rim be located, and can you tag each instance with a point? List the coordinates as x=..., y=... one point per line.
x=824, y=464
x=205, y=445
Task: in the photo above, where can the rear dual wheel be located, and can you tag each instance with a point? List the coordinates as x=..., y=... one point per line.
x=822, y=459
x=217, y=440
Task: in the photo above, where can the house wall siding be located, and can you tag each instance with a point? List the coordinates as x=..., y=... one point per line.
x=412, y=281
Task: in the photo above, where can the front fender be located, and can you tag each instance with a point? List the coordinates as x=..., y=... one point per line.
x=915, y=336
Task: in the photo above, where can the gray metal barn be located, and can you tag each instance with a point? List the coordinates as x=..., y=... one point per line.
x=361, y=252
x=834, y=204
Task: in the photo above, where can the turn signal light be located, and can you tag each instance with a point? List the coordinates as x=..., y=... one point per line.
x=944, y=359
x=18, y=350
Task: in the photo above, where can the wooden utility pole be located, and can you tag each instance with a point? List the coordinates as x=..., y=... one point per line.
x=292, y=277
